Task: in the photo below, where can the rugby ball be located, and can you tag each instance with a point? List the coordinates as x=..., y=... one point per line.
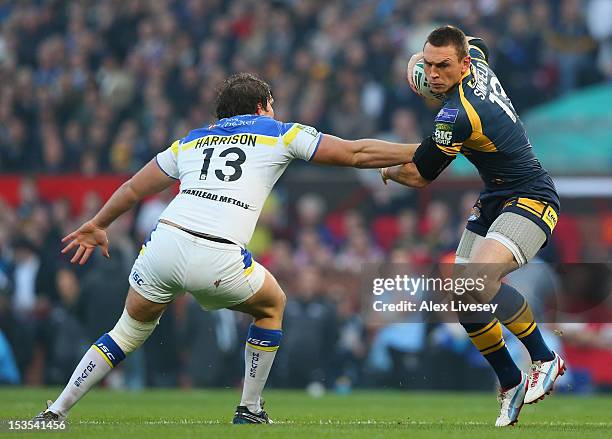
x=420, y=82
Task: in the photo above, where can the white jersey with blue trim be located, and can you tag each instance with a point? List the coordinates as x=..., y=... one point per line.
x=227, y=170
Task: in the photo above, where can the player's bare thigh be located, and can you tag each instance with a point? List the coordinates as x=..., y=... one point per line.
x=142, y=309
x=490, y=262
x=266, y=305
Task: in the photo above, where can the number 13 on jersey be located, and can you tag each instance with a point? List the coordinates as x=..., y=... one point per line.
x=234, y=163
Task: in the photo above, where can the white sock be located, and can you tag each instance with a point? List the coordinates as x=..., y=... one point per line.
x=108, y=351
x=259, y=353
x=95, y=365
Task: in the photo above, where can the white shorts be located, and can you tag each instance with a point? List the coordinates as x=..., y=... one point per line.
x=173, y=262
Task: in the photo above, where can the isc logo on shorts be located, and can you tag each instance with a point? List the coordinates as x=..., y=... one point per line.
x=136, y=277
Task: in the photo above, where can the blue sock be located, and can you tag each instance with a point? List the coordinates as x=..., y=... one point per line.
x=516, y=315
x=486, y=334
x=107, y=347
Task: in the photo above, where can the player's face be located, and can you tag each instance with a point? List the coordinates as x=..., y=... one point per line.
x=443, y=68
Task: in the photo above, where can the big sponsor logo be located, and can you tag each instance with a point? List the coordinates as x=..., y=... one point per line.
x=84, y=374
x=443, y=134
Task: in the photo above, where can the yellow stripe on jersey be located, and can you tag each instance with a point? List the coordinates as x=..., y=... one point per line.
x=477, y=140
x=175, y=148
x=248, y=139
x=233, y=139
x=290, y=135
x=450, y=150
x=483, y=59
x=267, y=140
x=190, y=145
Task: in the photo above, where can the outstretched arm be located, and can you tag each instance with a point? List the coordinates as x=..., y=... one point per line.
x=407, y=174
x=149, y=180
x=428, y=162
x=362, y=153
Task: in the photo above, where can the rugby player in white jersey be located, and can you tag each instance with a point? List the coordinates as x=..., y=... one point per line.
x=226, y=171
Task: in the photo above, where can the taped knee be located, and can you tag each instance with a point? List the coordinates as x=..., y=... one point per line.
x=469, y=240
x=130, y=334
x=518, y=234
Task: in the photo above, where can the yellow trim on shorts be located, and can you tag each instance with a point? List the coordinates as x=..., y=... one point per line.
x=550, y=217
x=541, y=209
x=103, y=355
x=534, y=205
x=248, y=271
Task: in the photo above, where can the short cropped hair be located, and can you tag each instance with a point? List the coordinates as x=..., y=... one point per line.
x=449, y=36
x=240, y=94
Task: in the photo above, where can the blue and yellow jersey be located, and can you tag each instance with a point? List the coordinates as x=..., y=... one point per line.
x=479, y=121
x=227, y=170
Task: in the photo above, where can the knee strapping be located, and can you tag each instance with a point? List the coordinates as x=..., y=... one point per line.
x=130, y=334
x=469, y=241
x=518, y=234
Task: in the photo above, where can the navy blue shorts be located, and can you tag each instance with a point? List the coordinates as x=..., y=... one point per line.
x=488, y=208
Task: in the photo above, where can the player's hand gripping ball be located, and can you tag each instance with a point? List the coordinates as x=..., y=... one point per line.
x=421, y=84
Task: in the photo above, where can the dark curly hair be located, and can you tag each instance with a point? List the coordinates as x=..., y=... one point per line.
x=240, y=94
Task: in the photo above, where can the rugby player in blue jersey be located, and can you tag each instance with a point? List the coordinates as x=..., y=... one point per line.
x=513, y=217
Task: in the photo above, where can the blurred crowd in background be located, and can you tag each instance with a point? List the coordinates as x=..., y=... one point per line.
x=51, y=311
x=99, y=86
x=95, y=87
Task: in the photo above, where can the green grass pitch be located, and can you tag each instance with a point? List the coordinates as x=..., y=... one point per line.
x=381, y=414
